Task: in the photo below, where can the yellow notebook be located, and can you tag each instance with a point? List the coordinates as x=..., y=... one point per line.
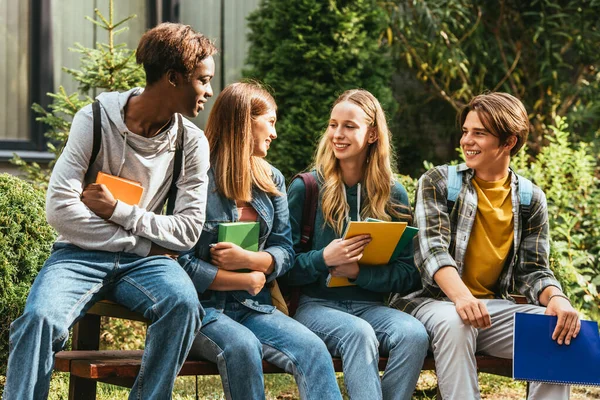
x=122, y=189
x=384, y=239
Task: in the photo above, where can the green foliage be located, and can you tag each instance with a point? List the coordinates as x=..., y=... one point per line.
x=107, y=67
x=25, y=242
x=568, y=175
x=122, y=334
x=309, y=52
x=544, y=52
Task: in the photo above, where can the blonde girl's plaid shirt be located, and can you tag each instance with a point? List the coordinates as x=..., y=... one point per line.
x=443, y=238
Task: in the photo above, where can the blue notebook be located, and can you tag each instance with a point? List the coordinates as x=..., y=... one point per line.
x=537, y=357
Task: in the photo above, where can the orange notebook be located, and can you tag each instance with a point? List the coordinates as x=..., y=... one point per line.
x=384, y=238
x=122, y=189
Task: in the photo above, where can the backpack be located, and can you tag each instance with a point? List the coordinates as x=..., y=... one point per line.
x=455, y=184
x=172, y=194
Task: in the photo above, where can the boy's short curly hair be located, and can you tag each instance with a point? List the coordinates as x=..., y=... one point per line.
x=171, y=46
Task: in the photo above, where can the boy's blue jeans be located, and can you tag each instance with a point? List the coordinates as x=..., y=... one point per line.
x=358, y=331
x=70, y=282
x=240, y=338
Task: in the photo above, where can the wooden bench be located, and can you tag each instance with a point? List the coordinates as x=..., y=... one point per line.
x=88, y=365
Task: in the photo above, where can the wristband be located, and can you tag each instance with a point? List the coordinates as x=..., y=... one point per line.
x=559, y=295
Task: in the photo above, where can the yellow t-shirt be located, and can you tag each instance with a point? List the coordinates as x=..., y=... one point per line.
x=491, y=237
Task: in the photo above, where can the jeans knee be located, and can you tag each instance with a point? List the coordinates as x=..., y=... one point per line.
x=360, y=336
x=411, y=335
x=42, y=324
x=183, y=305
x=419, y=336
x=316, y=348
x=244, y=349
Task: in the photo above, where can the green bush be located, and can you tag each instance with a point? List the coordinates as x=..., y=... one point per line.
x=568, y=173
x=309, y=52
x=25, y=242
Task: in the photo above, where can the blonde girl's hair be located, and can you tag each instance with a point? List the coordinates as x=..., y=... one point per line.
x=229, y=133
x=378, y=170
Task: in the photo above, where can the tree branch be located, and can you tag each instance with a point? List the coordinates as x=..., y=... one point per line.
x=441, y=92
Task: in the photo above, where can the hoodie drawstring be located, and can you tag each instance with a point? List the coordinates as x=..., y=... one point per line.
x=348, y=219
x=124, y=152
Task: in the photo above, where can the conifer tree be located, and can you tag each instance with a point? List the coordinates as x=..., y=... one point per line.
x=106, y=67
x=309, y=52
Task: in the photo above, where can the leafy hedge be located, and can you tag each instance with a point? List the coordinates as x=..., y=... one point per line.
x=25, y=242
x=568, y=174
x=309, y=52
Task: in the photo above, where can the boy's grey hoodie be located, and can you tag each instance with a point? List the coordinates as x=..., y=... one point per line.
x=149, y=161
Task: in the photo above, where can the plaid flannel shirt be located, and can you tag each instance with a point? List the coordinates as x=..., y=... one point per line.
x=443, y=239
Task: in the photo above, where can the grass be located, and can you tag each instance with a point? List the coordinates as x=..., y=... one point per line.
x=283, y=387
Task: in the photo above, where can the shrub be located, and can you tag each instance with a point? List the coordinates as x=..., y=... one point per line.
x=567, y=173
x=309, y=52
x=25, y=242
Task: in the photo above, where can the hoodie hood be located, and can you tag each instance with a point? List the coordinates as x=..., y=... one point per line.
x=114, y=104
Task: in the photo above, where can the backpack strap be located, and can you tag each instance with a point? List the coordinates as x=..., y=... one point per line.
x=97, y=131
x=309, y=211
x=177, y=165
x=525, y=195
x=454, y=186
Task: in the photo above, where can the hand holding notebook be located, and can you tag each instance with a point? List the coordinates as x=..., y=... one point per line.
x=122, y=189
x=385, y=238
x=242, y=234
x=536, y=357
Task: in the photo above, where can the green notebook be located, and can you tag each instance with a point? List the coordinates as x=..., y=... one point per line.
x=405, y=240
x=244, y=234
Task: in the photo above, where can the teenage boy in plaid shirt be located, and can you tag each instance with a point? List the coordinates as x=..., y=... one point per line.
x=472, y=254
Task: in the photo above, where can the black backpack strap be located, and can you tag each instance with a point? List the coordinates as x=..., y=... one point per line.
x=177, y=165
x=97, y=117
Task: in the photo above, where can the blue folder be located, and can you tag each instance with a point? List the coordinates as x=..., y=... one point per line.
x=537, y=357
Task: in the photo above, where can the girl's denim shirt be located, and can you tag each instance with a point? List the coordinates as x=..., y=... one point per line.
x=275, y=239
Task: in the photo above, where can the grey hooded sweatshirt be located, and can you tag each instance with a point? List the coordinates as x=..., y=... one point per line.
x=130, y=229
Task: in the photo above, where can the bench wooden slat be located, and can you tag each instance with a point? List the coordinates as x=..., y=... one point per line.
x=110, y=309
x=101, y=365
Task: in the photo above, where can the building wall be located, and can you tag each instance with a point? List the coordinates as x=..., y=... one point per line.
x=224, y=21
x=14, y=67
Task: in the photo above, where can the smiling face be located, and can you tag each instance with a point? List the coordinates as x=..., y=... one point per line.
x=349, y=132
x=483, y=151
x=194, y=93
x=263, y=132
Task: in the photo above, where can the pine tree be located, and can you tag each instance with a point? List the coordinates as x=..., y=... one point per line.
x=107, y=67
